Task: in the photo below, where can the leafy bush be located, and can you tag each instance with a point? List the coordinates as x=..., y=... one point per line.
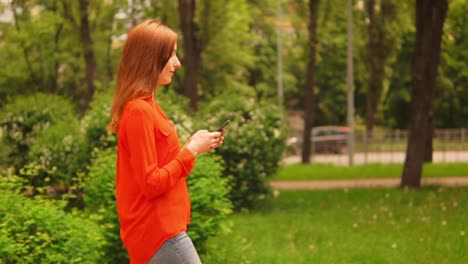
x=210, y=206
x=209, y=196
x=208, y=189
x=23, y=119
x=253, y=143
x=39, y=231
x=176, y=107
x=99, y=199
x=58, y=150
x=94, y=123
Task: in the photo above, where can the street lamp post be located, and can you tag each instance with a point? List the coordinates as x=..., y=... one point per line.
x=350, y=85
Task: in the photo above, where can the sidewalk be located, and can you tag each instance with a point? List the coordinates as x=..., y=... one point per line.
x=363, y=183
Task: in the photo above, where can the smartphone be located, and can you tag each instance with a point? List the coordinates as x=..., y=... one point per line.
x=223, y=125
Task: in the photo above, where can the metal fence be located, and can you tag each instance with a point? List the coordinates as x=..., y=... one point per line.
x=385, y=146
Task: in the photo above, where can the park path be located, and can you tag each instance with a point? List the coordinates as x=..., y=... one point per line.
x=363, y=183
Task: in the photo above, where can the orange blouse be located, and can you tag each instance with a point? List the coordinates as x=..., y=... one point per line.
x=153, y=203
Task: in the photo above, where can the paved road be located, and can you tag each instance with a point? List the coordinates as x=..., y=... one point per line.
x=362, y=183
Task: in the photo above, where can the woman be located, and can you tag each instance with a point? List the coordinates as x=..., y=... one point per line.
x=152, y=197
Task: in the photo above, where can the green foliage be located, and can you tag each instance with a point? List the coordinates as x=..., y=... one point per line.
x=39, y=231
x=451, y=107
x=238, y=40
x=93, y=124
x=228, y=43
x=99, y=198
x=43, y=50
x=25, y=122
x=176, y=107
x=208, y=192
x=253, y=143
x=397, y=102
x=210, y=202
x=59, y=148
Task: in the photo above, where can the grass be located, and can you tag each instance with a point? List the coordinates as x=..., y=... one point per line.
x=349, y=226
x=328, y=171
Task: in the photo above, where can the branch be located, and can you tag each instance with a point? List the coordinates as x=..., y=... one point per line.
x=69, y=14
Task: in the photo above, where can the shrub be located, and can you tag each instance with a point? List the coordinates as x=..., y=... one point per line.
x=253, y=143
x=22, y=120
x=176, y=107
x=209, y=196
x=208, y=189
x=99, y=200
x=58, y=150
x=39, y=231
x=94, y=123
x=210, y=206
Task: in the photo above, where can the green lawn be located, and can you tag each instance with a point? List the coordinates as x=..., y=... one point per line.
x=378, y=225
x=327, y=171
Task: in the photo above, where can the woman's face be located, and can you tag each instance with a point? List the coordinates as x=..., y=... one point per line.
x=165, y=77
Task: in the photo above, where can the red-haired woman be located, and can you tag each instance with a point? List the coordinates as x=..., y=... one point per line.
x=152, y=197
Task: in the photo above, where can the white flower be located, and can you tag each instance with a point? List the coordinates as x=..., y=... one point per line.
x=276, y=193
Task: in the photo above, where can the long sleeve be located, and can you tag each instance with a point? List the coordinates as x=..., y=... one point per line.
x=145, y=145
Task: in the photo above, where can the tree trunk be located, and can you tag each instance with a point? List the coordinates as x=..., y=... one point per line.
x=87, y=45
x=192, y=51
x=430, y=16
x=372, y=67
x=309, y=87
x=380, y=46
x=429, y=146
x=86, y=40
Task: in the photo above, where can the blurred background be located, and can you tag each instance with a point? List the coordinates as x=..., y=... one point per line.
x=259, y=48
x=346, y=83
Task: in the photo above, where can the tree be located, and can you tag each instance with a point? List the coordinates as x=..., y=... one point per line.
x=192, y=50
x=381, y=45
x=430, y=16
x=37, y=40
x=218, y=32
x=82, y=25
x=309, y=87
x=452, y=92
x=49, y=48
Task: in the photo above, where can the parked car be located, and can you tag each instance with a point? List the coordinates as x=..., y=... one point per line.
x=325, y=139
x=329, y=139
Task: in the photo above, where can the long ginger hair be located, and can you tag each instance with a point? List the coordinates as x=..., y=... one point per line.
x=148, y=48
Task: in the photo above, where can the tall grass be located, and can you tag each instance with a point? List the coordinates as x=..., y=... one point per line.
x=349, y=226
x=328, y=171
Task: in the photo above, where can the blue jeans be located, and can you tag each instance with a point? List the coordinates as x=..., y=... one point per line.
x=176, y=250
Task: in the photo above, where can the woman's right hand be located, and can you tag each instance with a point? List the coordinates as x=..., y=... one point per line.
x=203, y=141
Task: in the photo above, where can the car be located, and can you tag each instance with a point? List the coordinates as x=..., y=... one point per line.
x=325, y=139
x=329, y=139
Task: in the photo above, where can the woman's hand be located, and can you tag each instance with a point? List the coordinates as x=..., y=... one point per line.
x=203, y=141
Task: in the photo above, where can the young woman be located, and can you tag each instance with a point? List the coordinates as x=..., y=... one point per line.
x=152, y=197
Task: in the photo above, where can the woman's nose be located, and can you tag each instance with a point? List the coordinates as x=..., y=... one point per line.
x=177, y=63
